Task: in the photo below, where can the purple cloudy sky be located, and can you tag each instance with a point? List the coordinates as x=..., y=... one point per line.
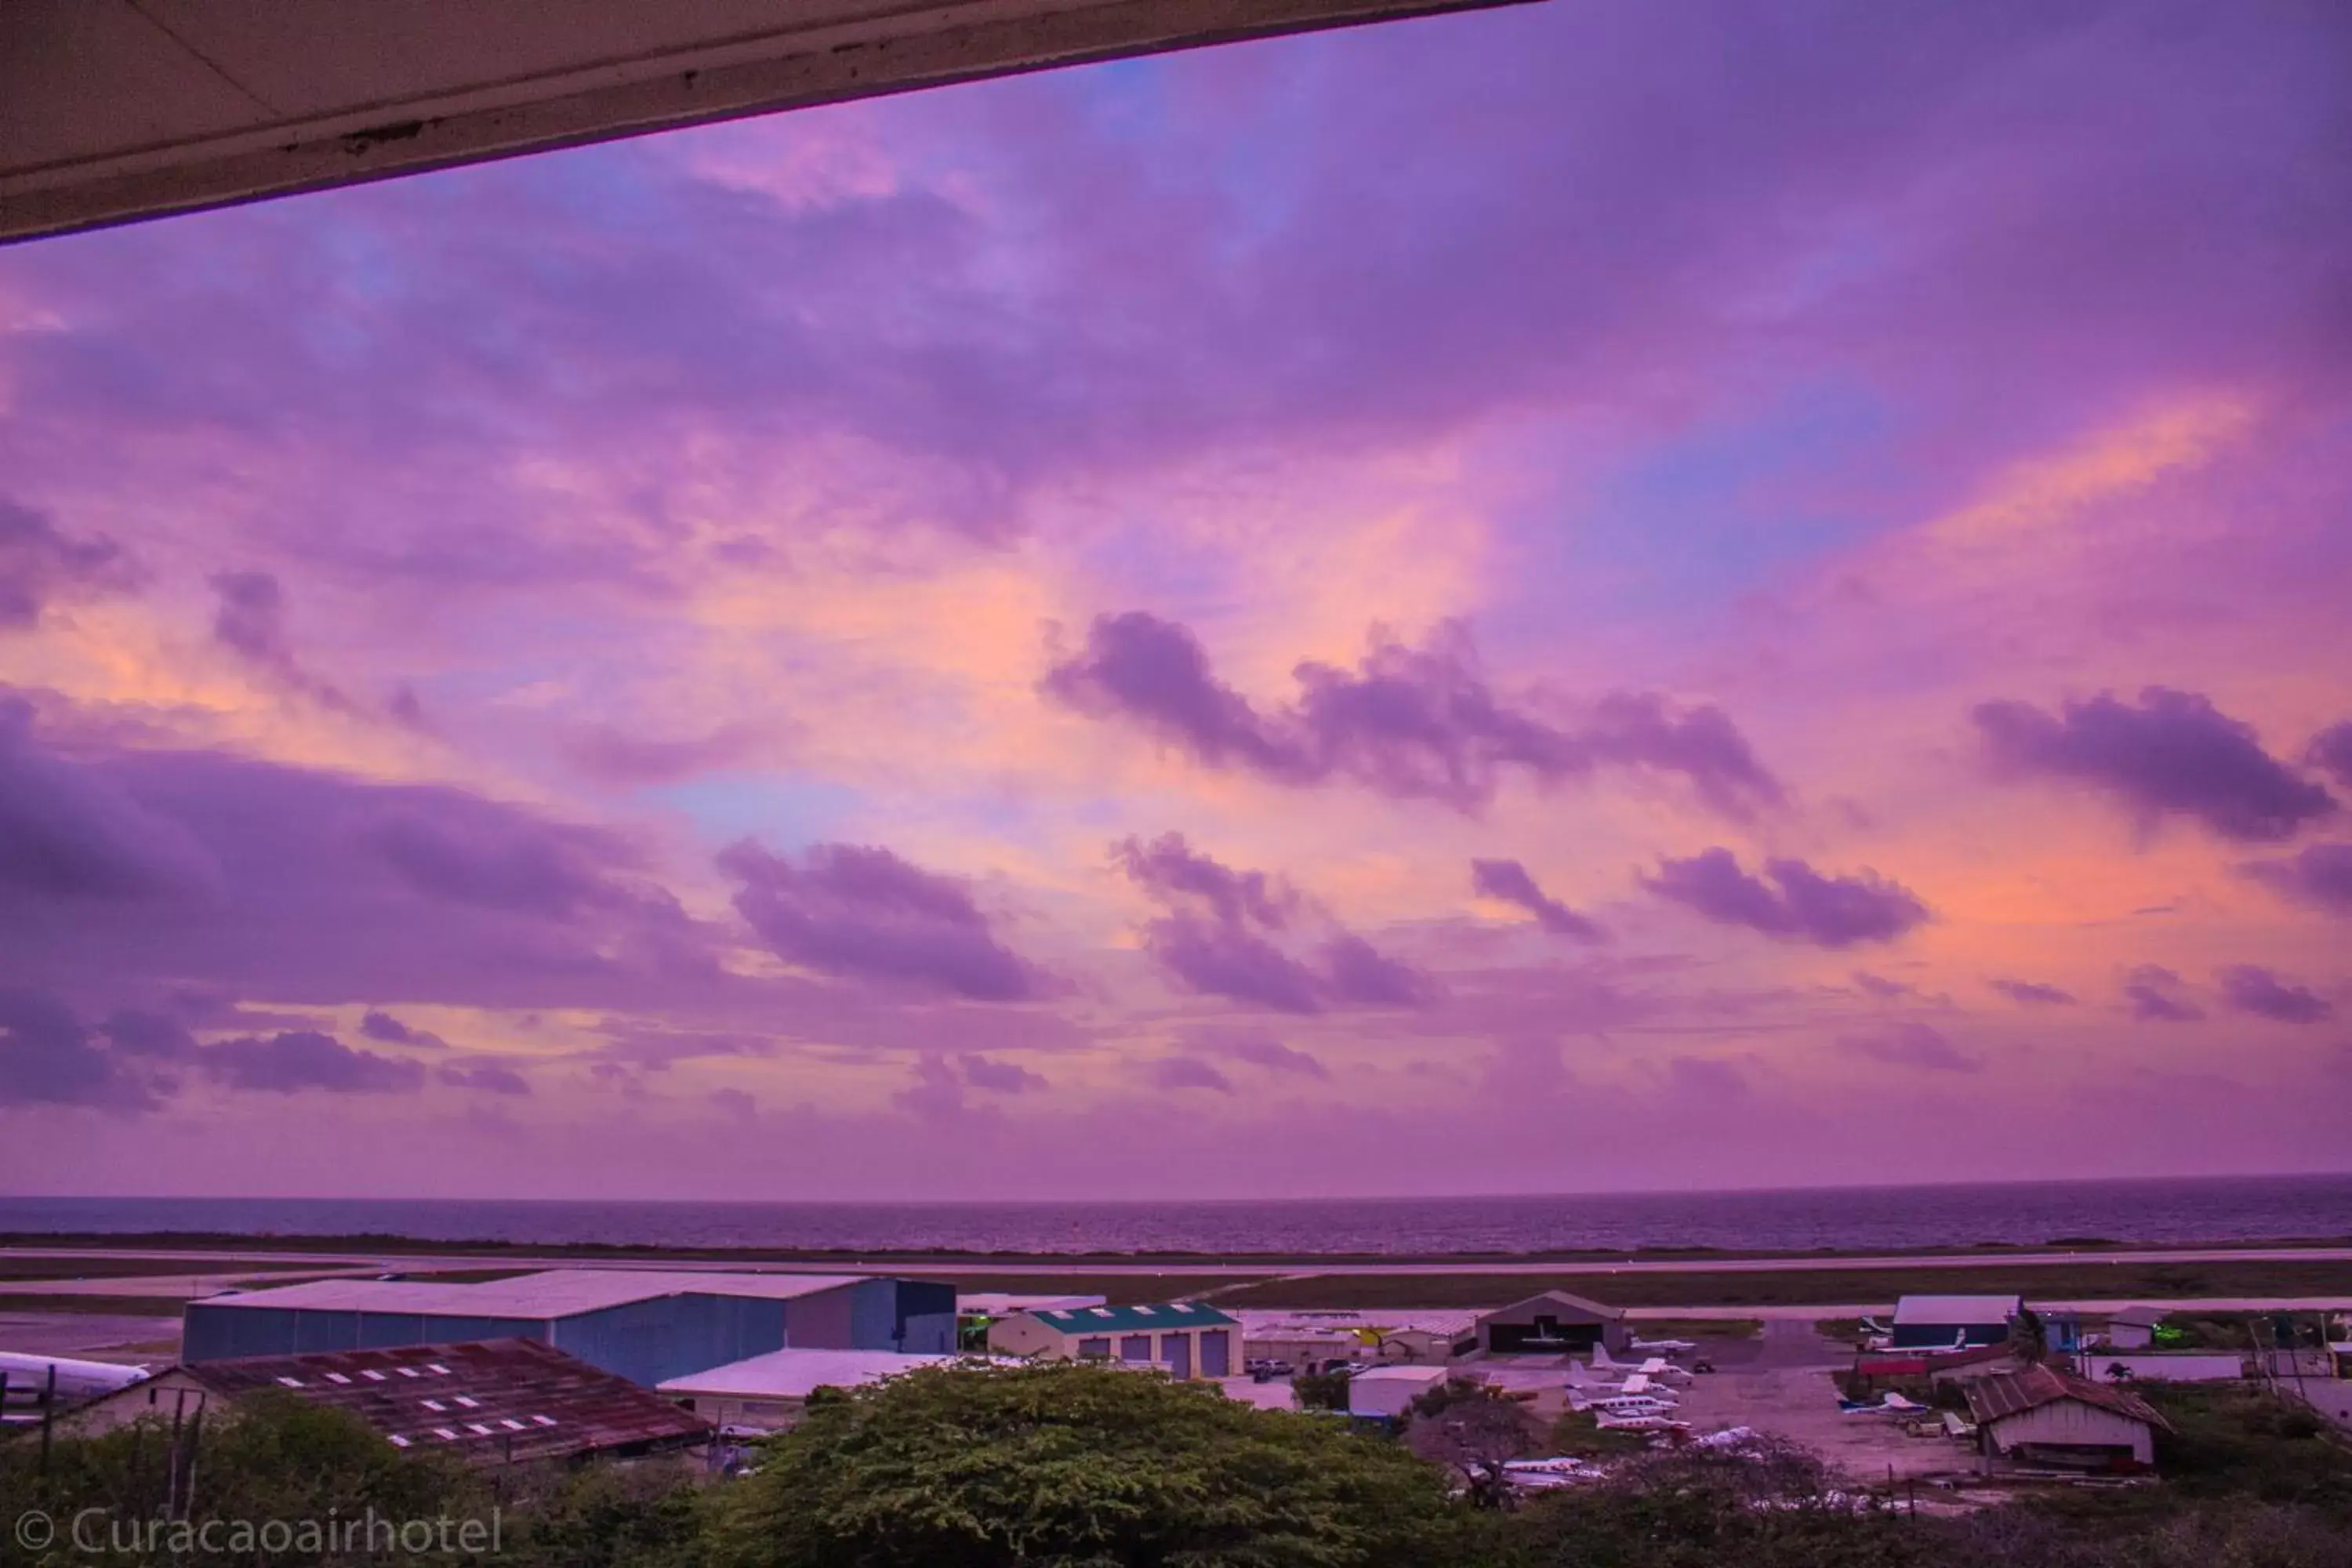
x=1591, y=595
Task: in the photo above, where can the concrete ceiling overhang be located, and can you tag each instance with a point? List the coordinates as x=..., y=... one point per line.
x=112, y=111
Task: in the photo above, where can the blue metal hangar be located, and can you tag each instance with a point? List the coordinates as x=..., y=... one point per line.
x=1953, y=1322
x=646, y=1325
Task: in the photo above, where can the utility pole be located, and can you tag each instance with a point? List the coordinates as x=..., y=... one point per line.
x=188, y=1491
x=48, y=1415
x=172, y=1459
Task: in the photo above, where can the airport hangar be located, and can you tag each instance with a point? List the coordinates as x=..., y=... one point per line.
x=646, y=1325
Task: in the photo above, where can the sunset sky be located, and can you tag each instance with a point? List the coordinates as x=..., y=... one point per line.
x=1593, y=595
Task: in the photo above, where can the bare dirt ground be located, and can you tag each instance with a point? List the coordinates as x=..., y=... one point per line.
x=1801, y=1405
x=1784, y=1383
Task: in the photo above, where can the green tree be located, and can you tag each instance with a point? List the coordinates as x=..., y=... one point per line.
x=271, y=1457
x=2029, y=1337
x=1472, y=1430
x=1770, y=1507
x=1580, y=1433
x=1320, y=1390
x=644, y=1515
x=1076, y=1466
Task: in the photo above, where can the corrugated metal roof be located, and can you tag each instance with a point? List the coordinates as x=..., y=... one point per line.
x=795, y=1373
x=2139, y=1317
x=2003, y=1395
x=486, y=1402
x=1590, y=1307
x=1424, y=1375
x=1128, y=1319
x=1261, y=1321
x=1939, y=1311
x=1323, y=1340
x=1004, y=1303
x=554, y=1293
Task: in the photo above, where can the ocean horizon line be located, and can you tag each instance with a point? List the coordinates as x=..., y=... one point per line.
x=1527, y=1196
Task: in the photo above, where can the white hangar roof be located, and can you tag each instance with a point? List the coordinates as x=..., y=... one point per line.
x=554, y=1293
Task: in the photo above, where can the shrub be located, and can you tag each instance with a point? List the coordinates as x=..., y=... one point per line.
x=1320, y=1390
x=1060, y=1466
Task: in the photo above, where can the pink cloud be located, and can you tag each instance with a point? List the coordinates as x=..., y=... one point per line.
x=597, y=607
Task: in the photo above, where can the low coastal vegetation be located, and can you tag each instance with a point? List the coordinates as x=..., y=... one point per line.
x=1116, y=1289
x=36, y=1267
x=1698, y=1276
x=80, y=1302
x=168, y=1244
x=1698, y=1328
x=1075, y=1466
x=1765, y=1288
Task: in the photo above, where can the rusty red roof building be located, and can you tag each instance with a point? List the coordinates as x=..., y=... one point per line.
x=1927, y=1364
x=490, y=1401
x=2000, y=1394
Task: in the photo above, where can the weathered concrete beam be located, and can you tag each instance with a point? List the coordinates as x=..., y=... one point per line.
x=112, y=111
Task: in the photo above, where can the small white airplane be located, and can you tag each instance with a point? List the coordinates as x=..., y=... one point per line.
x=1641, y=1424
x=1891, y=1403
x=1538, y=1474
x=1668, y=1347
x=28, y=1375
x=1624, y=1404
x=1595, y=1398
x=1544, y=1475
